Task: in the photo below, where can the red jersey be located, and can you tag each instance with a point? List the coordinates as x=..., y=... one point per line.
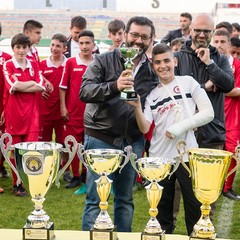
x=71, y=81
x=32, y=55
x=21, y=109
x=232, y=104
x=3, y=58
x=50, y=108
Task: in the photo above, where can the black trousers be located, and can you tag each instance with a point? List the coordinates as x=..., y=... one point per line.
x=191, y=204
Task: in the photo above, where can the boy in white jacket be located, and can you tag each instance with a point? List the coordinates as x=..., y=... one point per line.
x=177, y=106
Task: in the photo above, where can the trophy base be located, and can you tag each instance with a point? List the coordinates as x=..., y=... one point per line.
x=129, y=95
x=39, y=233
x=155, y=236
x=198, y=238
x=103, y=234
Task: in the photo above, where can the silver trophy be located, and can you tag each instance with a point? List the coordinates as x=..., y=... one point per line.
x=104, y=162
x=129, y=53
x=37, y=166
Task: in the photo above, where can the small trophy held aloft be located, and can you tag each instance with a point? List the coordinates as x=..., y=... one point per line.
x=37, y=166
x=154, y=169
x=209, y=170
x=129, y=53
x=104, y=162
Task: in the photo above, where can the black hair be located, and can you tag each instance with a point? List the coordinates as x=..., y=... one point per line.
x=115, y=25
x=86, y=33
x=226, y=25
x=20, y=39
x=31, y=24
x=187, y=15
x=140, y=20
x=79, y=22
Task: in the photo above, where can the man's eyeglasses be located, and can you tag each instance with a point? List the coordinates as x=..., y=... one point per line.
x=206, y=32
x=136, y=36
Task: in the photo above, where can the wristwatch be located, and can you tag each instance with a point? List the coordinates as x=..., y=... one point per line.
x=211, y=62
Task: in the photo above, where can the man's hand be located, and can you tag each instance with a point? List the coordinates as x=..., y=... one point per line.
x=210, y=87
x=125, y=80
x=203, y=54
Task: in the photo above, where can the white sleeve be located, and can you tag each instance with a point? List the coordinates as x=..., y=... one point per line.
x=204, y=115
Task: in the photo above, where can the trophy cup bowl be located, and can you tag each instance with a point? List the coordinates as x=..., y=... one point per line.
x=154, y=169
x=208, y=169
x=37, y=166
x=104, y=162
x=129, y=53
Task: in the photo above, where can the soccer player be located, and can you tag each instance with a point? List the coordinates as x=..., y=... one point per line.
x=22, y=81
x=72, y=109
x=52, y=69
x=116, y=30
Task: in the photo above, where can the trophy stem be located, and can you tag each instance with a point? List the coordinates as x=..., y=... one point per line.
x=204, y=228
x=154, y=193
x=103, y=220
x=38, y=217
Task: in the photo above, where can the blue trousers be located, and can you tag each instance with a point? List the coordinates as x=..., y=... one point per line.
x=122, y=188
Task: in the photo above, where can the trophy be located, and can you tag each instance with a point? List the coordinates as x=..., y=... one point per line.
x=129, y=53
x=208, y=169
x=154, y=169
x=37, y=166
x=104, y=162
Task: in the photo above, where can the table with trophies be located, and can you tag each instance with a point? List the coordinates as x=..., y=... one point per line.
x=16, y=234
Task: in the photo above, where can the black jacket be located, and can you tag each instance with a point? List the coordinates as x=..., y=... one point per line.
x=220, y=73
x=172, y=35
x=107, y=117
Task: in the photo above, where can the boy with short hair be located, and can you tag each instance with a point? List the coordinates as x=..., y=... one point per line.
x=78, y=24
x=22, y=81
x=33, y=30
x=116, y=30
x=52, y=69
x=72, y=109
x=172, y=106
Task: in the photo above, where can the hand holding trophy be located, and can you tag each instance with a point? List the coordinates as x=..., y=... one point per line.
x=208, y=168
x=154, y=169
x=129, y=53
x=37, y=166
x=104, y=162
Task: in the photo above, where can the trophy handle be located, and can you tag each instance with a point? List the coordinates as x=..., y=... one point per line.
x=5, y=147
x=181, y=148
x=80, y=155
x=236, y=157
x=71, y=149
x=130, y=156
x=175, y=166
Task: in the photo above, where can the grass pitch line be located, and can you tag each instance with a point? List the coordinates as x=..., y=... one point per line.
x=225, y=217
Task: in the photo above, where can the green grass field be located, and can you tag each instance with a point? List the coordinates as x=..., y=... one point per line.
x=65, y=210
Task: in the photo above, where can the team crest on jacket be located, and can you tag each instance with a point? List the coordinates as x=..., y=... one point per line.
x=176, y=89
x=31, y=72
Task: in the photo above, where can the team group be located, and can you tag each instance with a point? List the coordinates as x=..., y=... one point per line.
x=188, y=88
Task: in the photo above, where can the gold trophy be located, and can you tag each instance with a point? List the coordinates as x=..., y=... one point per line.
x=208, y=169
x=154, y=169
x=129, y=53
x=104, y=162
x=37, y=166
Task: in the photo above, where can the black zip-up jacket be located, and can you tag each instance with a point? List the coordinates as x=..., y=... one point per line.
x=220, y=73
x=107, y=117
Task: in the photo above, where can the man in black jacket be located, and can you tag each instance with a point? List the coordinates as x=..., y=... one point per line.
x=212, y=70
x=183, y=31
x=110, y=121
